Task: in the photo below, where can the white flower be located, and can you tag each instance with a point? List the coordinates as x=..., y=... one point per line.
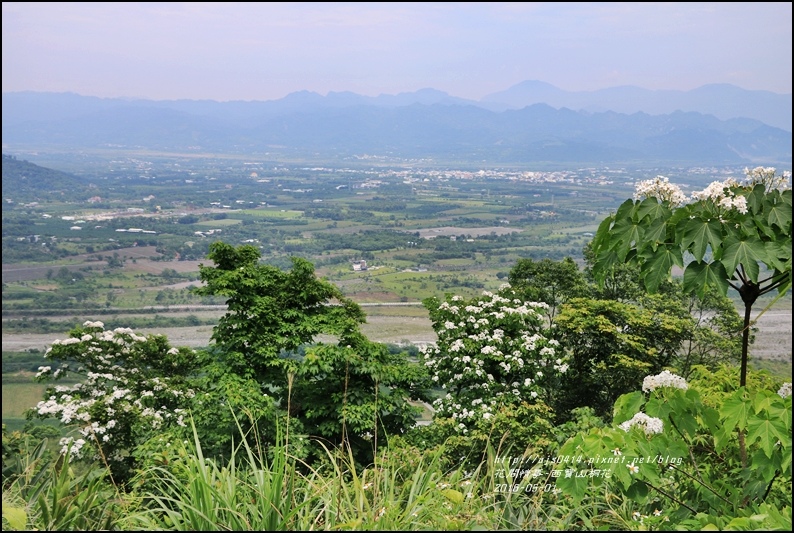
x=785, y=390
x=664, y=379
x=633, y=469
x=649, y=424
x=661, y=188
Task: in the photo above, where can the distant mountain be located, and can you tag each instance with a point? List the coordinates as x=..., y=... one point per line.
x=426, y=124
x=722, y=100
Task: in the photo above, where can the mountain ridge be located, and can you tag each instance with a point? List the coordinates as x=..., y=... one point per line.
x=423, y=124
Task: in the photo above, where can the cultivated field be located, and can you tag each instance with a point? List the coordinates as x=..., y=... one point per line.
x=772, y=342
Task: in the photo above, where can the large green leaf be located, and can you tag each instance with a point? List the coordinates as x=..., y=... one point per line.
x=602, y=237
x=604, y=263
x=656, y=233
x=746, y=252
x=699, y=275
x=658, y=264
x=698, y=234
x=779, y=215
x=651, y=208
x=778, y=254
x=755, y=199
x=629, y=234
x=626, y=406
x=736, y=410
x=767, y=431
x=626, y=210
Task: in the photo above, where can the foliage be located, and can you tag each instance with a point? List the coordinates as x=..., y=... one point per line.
x=731, y=234
x=131, y=387
x=49, y=495
x=671, y=452
x=357, y=393
x=270, y=311
x=551, y=282
x=610, y=346
x=353, y=390
x=197, y=493
x=497, y=365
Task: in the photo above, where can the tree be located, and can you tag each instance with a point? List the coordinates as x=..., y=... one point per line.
x=340, y=391
x=132, y=387
x=732, y=235
x=611, y=346
x=270, y=312
x=497, y=365
x=552, y=282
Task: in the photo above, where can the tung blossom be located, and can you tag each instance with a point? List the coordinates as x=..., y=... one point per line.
x=649, y=424
x=664, y=379
x=661, y=188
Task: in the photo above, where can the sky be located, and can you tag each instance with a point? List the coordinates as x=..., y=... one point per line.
x=266, y=50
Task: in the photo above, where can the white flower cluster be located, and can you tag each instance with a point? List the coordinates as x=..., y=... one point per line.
x=117, y=385
x=723, y=194
x=785, y=390
x=490, y=351
x=649, y=424
x=661, y=188
x=769, y=178
x=72, y=447
x=664, y=379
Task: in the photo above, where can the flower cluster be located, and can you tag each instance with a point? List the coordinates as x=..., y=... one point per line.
x=767, y=176
x=723, y=194
x=491, y=350
x=72, y=447
x=661, y=188
x=664, y=379
x=785, y=390
x=124, y=386
x=649, y=424
x=727, y=195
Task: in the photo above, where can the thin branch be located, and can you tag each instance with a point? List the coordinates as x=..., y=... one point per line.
x=740, y=272
x=689, y=448
x=772, y=287
x=676, y=500
x=773, y=276
x=769, y=487
x=690, y=476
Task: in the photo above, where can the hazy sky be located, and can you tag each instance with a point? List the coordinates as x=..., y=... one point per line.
x=266, y=50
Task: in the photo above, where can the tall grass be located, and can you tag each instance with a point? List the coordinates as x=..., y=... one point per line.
x=248, y=493
x=49, y=495
x=404, y=489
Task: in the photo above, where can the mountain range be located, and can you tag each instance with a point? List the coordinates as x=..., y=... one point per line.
x=532, y=122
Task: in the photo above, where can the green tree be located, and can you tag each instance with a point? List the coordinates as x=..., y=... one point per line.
x=552, y=282
x=611, y=346
x=131, y=387
x=732, y=235
x=338, y=391
x=497, y=366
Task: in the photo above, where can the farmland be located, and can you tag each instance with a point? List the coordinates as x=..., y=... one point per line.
x=126, y=249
